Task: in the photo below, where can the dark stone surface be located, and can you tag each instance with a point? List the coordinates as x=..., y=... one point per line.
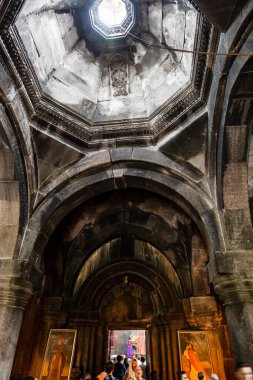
x=189, y=145
x=220, y=12
x=90, y=184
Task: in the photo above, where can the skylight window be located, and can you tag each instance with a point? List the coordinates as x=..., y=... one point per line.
x=112, y=18
x=112, y=12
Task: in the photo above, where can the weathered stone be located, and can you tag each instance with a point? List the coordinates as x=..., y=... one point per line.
x=236, y=292
x=131, y=191
x=202, y=312
x=189, y=145
x=236, y=137
x=235, y=196
x=69, y=71
x=239, y=228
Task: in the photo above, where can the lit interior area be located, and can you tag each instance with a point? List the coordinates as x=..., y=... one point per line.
x=127, y=342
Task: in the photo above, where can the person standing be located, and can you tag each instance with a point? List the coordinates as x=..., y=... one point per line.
x=244, y=372
x=119, y=368
x=129, y=352
x=126, y=362
x=139, y=373
x=143, y=365
x=182, y=375
x=101, y=375
x=130, y=375
x=109, y=367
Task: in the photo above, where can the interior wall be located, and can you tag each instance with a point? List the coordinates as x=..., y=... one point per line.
x=124, y=283
x=9, y=199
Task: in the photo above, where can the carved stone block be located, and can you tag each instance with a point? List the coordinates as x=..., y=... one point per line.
x=235, y=191
x=119, y=75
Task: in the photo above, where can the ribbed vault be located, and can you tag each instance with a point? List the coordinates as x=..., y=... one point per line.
x=124, y=233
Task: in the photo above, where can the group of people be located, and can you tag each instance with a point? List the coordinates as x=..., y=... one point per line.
x=123, y=370
x=182, y=375
x=243, y=372
x=136, y=371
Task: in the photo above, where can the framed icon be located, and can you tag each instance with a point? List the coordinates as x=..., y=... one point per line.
x=58, y=356
x=194, y=353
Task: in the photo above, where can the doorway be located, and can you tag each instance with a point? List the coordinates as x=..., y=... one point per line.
x=129, y=343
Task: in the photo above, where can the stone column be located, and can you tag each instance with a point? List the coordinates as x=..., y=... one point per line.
x=155, y=351
x=169, y=352
x=232, y=276
x=14, y=296
x=236, y=293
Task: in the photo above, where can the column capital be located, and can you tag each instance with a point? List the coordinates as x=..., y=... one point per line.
x=202, y=312
x=17, y=280
x=15, y=292
x=233, y=288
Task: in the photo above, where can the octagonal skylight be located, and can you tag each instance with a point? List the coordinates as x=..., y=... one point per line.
x=112, y=18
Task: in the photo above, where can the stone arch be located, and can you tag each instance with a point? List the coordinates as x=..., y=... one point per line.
x=92, y=292
x=225, y=106
x=230, y=271
x=120, y=219
x=238, y=39
x=15, y=127
x=143, y=252
x=124, y=171
x=237, y=132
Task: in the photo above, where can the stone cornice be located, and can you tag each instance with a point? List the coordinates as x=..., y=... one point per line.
x=15, y=292
x=234, y=288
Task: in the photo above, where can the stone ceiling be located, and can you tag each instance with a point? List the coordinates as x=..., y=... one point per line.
x=91, y=93
x=108, y=87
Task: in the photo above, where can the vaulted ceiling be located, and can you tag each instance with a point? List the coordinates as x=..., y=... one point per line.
x=91, y=90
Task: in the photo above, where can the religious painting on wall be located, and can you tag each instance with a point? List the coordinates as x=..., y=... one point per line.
x=194, y=353
x=59, y=353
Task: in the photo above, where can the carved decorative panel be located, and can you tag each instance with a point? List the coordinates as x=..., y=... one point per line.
x=119, y=75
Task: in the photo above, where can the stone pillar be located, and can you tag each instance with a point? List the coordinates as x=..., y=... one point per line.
x=176, y=323
x=14, y=296
x=169, y=352
x=232, y=276
x=99, y=350
x=155, y=351
x=236, y=293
